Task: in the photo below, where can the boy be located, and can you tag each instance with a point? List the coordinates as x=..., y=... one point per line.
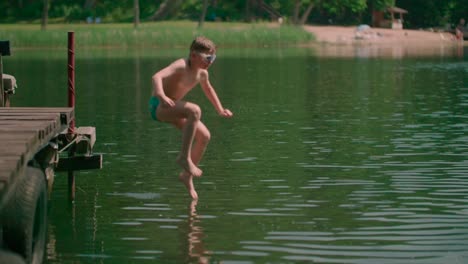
x=170, y=85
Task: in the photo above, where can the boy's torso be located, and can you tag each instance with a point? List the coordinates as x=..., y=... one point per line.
x=180, y=83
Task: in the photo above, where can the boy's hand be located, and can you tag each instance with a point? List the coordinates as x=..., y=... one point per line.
x=226, y=113
x=166, y=101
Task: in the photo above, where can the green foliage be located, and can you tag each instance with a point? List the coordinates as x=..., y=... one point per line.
x=381, y=5
x=422, y=13
x=341, y=6
x=457, y=10
x=154, y=34
x=344, y=11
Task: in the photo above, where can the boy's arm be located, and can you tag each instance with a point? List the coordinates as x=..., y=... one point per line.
x=212, y=96
x=157, y=78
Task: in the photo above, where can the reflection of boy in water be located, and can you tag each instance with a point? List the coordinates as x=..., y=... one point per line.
x=170, y=85
x=196, y=248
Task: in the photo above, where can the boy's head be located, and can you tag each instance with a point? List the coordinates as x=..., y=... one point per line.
x=202, y=52
x=202, y=44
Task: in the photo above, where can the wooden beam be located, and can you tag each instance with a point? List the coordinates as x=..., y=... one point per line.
x=79, y=163
x=89, y=132
x=9, y=83
x=86, y=138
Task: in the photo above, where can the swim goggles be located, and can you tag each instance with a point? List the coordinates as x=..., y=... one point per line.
x=210, y=58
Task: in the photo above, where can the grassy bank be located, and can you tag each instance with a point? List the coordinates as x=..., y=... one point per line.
x=155, y=34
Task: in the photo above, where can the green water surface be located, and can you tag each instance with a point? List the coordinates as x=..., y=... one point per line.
x=327, y=159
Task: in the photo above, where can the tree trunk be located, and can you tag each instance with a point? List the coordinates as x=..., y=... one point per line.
x=161, y=10
x=270, y=10
x=165, y=9
x=307, y=13
x=89, y=4
x=297, y=6
x=203, y=14
x=136, y=9
x=248, y=11
x=45, y=15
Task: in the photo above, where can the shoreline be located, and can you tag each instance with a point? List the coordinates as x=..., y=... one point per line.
x=341, y=35
x=339, y=41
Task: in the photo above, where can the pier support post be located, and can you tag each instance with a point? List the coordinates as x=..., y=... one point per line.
x=2, y=90
x=71, y=103
x=4, y=51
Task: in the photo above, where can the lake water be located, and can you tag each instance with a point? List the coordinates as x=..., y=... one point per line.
x=328, y=159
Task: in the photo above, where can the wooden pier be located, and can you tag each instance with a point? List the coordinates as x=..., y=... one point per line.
x=23, y=133
x=33, y=141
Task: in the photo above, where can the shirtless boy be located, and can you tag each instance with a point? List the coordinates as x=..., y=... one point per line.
x=170, y=85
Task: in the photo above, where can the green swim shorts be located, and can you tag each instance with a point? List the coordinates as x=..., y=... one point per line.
x=153, y=105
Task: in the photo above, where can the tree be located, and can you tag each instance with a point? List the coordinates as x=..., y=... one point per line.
x=45, y=14
x=167, y=7
x=306, y=14
x=89, y=4
x=248, y=11
x=422, y=13
x=426, y=13
x=380, y=5
x=136, y=9
x=203, y=13
x=297, y=7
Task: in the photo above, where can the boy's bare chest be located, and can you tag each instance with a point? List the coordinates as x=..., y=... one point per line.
x=188, y=81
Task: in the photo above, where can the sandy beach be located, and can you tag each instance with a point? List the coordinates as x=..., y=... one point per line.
x=350, y=35
x=373, y=42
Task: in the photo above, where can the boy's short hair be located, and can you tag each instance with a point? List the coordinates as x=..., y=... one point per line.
x=202, y=44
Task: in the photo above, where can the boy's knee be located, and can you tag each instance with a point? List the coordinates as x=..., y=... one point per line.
x=203, y=136
x=206, y=136
x=195, y=112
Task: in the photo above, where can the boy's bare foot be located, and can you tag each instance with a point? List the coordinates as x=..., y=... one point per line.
x=189, y=167
x=187, y=180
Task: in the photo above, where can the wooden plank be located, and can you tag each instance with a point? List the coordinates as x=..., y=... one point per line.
x=16, y=148
x=41, y=124
x=30, y=123
x=86, y=140
x=37, y=109
x=19, y=135
x=12, y=114
x=29, y=117
x=21, y=116
x=89, y=132
x=9, y=170
x=13, y=149
x=41, y=128
x=23, y=132
x=9, y=82
x=80, y=163
x=67, y=114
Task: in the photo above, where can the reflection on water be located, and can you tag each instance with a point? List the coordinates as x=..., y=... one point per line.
x=196, y=250
x=328, y=160
x=392, y=51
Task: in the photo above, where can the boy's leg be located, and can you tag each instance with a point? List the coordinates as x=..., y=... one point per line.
x=202, y=138
x=187, y=180
x=191, y=113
